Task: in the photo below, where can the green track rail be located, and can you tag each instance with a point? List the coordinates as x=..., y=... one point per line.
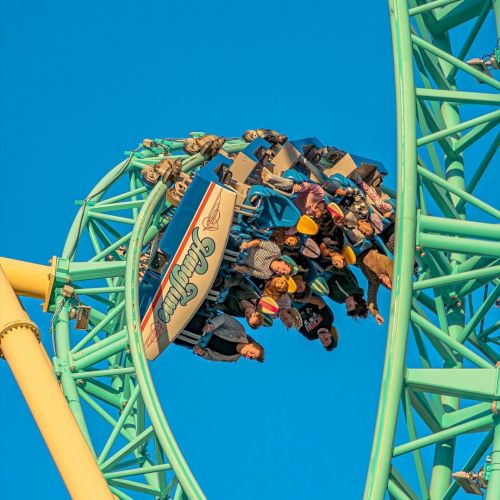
x=441, y=376
x=104, y=372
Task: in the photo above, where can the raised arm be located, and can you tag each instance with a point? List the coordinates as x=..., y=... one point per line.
x=313, y=299
x=250, y=244
x=373, y=286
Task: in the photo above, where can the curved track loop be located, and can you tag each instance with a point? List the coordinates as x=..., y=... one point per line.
x=103, y=371
x=444, y=375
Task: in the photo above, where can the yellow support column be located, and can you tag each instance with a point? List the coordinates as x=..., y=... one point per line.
x=26, y=278
x=19, y=345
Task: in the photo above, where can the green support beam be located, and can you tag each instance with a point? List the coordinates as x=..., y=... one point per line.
x=452, y=227
x=430, y=329
x=487, y=272
x=457, y=13
x=494, y=482
x=476, y=384
x=457, y=97
x=459, y=245
x=464, y=195
x=463, y=415
x=445, y=435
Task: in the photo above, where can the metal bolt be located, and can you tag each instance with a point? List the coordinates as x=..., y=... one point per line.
x=72, y=368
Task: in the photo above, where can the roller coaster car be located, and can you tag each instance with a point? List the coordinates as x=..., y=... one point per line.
x=371, y=171
x=223, y=192
x=334, y=161
x=193, y=245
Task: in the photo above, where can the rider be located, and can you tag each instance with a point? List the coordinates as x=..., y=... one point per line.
x=317, y=322
x=262, y=260
x=222, y=338
x=241, y=301
x=344, y=289
x=310, y=199
x=378, y=268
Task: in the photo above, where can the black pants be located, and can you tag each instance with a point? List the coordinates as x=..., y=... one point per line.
x=195, y=325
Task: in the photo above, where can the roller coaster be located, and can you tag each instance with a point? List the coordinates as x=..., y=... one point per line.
x=149, y=240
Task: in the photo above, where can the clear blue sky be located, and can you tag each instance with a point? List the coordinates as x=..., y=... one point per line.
x=81, y=83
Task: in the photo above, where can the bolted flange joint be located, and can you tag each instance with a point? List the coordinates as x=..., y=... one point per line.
x=13, y=325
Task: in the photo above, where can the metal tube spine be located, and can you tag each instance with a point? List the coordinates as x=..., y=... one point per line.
x=19, y=344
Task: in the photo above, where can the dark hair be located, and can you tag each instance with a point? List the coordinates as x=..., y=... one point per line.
x=260, y=358
x=278, y=236
x=332, y=346
x=305, y=293
x=361, y=309
x=281, y=260
x=334, y=341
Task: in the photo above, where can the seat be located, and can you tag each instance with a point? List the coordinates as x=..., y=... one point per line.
x=315, y=279
x=296, y=176
x=269, y=209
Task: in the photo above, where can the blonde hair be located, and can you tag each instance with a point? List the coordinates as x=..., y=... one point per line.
x=365, y=227
x=259, y=319
x=333, y=255
x=295, y=314
x=275, y=288
x=296, y=241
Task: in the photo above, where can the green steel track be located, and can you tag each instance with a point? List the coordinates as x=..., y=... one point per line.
x=441, y=378
x=103, y=372
x=440, y=388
